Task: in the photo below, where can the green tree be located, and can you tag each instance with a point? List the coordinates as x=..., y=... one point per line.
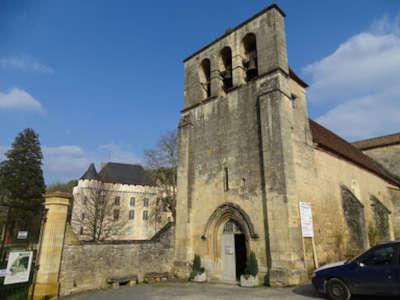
x=22, y=185
x=21, y=175
x=63, y=187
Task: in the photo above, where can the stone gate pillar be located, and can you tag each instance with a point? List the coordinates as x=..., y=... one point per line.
x=46, y=284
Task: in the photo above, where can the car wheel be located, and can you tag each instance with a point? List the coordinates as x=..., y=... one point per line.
x=337, y=290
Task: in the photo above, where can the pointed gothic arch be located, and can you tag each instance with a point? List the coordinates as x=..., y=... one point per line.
x=229, y=211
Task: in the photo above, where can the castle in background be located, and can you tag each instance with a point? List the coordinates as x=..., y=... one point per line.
x=118, y=203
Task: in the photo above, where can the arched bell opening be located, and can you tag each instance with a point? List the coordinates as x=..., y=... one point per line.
x=205, y=78
x=250, y=59
x=226, y=68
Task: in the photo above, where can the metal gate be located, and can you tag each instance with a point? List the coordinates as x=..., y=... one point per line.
x=21, y=231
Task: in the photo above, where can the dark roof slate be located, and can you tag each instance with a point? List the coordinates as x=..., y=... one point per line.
x=91, y=173
x=327, y=140
x=124, y=174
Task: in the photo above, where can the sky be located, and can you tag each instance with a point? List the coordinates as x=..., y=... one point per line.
x=102, y=80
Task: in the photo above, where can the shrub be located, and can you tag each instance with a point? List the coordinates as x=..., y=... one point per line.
x=196, y=263
x=251, y=265
x=197, y=268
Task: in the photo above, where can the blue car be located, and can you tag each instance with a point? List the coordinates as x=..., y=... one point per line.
x=375, y=272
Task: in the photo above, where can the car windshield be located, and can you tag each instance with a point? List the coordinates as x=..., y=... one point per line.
x=355, y=257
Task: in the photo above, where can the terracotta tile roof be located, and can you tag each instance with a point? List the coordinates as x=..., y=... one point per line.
x=379, y=141
x=331, y=142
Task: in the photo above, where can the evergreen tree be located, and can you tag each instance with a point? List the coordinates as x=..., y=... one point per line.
x=21, y=174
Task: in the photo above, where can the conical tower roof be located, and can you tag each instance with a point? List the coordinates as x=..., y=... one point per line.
x=91, y=173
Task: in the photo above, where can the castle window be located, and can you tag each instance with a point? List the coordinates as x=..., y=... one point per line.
x=226, y=70
x=145, y=202
x=131, y=214
x=205, y=78
x=116, y=214
x=250, y=61
x=83, y=216
x=81, y=231
x=132, y=201
x=85, y=200
x=117, y=200
x=145, y=215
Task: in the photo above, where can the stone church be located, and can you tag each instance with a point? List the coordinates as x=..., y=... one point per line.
x=249, y=154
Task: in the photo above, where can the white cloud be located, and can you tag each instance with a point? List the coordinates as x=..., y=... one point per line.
x=24, y=63
x=64, y=159
x=360, y=82
x=116, y=153
x=18, y=99
x=66, y=162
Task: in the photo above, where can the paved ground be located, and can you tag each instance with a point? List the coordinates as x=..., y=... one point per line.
x=200, y=291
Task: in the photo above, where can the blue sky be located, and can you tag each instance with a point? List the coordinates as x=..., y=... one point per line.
x=101, y=80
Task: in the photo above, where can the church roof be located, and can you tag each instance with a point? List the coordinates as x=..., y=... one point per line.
x=91, y=173
x=124, y=174
x=331, y=142
x=379, y=141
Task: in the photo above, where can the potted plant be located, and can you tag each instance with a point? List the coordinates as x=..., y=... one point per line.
x=249, y=278
x=198, y=274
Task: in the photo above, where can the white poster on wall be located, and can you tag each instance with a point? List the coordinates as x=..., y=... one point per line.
x=306, y=219
x=18, y=267
x=22, y=235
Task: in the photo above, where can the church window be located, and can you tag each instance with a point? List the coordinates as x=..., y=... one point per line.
x=117, y=200
x=131, y=214
x=205, y=77
x=381, y=215
x=145, y=202
x=293, y=98
x=354, y=217
x=116, y=214
x=250, y=60
x=226, y=179
x=226, y=71
x=145, y=215
x=132, y=201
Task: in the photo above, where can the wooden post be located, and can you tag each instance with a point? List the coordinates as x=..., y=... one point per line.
x=314, y=253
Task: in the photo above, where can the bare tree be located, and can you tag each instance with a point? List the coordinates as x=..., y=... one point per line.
x=97, y=213
x=162, y=164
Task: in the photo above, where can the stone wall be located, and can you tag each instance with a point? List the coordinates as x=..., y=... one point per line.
x=87, y=266
x=321, y=185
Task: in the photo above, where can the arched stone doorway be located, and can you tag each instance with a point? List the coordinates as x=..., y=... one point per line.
x=228, y=234
x=234, y=251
